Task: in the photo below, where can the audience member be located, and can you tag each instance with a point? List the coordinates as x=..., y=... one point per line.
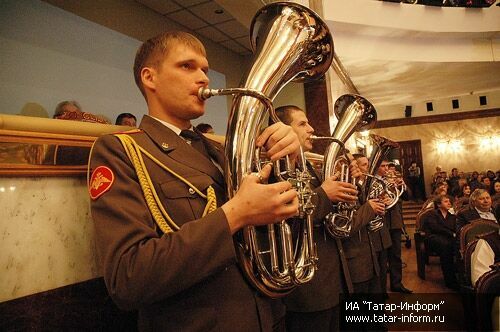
x=440, y=230
x=463, y=198
x=453, y=184
x=205, y=128
x=496, y=195
x=126, y=119
x=67, y=110
x=473, y=181
x=486, y=184
x=71, y=110
x=479, y=208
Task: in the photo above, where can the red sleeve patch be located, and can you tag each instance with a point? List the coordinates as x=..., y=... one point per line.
x=101, y=181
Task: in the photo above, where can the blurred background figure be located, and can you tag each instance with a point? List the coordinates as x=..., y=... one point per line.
x=34, y=109
x=126, y=119
x=68, y=109
x=205, y=128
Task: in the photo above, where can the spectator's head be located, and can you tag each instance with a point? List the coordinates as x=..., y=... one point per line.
x=474, y=175
x=413, y=163
x=442, y=202
x=454, y=172
x=441, y=189
x=481, y=200
x=362, y=162
x=490, y=174
x=67, y=106
x=486, y=182
x=496, y=187
x=126, y=119
x=205, y=128
x=438, y=169
x=466, y=190
x=297, y=119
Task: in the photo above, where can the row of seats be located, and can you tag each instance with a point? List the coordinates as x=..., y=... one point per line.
x=478, y=298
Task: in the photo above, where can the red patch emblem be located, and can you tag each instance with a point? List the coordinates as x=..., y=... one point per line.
x=101, y=181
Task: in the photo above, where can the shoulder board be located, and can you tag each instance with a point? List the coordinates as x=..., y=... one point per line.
x=128, y=132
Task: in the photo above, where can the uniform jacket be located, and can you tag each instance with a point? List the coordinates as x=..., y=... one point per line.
x=323, y=291
x=182, y=281
x=394, y=216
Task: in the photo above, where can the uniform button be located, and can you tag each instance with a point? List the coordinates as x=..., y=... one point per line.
x=191, y=191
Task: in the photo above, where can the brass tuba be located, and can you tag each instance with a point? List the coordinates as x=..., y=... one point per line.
x=354, y=113
x=290, y=42
x=374, y=185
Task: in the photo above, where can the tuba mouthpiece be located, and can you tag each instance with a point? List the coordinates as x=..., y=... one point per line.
x=205, y=93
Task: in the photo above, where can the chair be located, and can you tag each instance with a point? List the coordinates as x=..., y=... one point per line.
x=471, y=231
x=467, y=289
x=422, y=252
x=487, y=292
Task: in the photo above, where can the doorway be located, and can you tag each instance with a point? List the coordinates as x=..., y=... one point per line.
x=412, y=151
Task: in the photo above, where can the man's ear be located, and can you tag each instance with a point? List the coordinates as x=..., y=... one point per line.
x=148, y=78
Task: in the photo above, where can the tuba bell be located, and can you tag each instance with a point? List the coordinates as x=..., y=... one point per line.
x=290, y=42
x=354, y=113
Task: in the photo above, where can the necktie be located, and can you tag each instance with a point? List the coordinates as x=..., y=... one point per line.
x=195, y=140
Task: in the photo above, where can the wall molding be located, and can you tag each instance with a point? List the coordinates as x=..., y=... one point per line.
x=438, y=118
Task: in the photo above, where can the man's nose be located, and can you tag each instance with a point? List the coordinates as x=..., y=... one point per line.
x=203, y=78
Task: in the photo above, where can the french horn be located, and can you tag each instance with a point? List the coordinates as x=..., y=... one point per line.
x=290, y=42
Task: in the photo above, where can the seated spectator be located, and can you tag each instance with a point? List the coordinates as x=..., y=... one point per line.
x=495, y=199
x=486, y=184
x=479, y=208
x=463, y=198
x=67, y=109
x=473, y=181
x=205, y=128
x=440, y=237
x=453, y=181
x=440, y=190
x=71, y=110
x=438, y=173
x=126, y=119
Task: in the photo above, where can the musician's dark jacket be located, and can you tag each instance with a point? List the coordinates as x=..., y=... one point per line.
x=182, y=281
x=323, y=291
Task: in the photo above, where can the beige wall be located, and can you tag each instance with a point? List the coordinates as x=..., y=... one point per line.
x=469, y=158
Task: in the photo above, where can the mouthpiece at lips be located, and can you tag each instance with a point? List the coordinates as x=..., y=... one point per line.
x=204, y=93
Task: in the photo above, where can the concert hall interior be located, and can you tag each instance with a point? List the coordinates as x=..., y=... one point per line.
x=429, y=69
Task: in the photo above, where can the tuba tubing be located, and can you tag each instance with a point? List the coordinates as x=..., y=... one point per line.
x=290, y=42
x=354, y=113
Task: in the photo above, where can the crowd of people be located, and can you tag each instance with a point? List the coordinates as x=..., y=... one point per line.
x=459, y=185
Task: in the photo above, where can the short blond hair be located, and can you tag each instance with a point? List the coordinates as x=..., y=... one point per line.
x=152, y=51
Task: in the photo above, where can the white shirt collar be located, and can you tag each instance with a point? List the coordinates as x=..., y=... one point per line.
x=486, y=215
x=171, y=126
